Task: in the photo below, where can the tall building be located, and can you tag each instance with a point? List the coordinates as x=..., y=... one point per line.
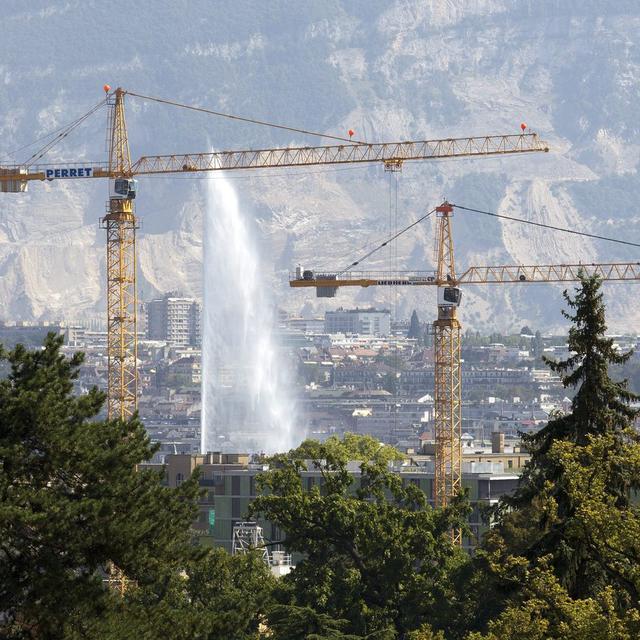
x=368, y=322
x=175, y=319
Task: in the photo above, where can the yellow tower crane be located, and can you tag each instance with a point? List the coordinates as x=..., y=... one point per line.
x=121, y=224
x=120, y=221
x=447, y=343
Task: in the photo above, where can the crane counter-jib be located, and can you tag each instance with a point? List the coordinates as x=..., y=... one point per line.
x=15, y=178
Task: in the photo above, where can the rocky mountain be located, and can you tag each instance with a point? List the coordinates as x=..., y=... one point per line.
x=392, y=70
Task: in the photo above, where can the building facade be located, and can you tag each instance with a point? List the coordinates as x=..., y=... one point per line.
x=230, y=485
x=369, y=322
x=174, y=319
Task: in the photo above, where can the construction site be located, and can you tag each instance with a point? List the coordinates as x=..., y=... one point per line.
x=121, y=226
x=318, y=320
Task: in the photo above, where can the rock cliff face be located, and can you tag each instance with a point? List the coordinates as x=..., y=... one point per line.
x=392, y=70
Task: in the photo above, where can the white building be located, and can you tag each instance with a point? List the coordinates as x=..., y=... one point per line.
x=371, y=322
x=175, y=319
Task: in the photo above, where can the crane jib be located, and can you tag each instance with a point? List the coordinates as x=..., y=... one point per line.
x=71, y=172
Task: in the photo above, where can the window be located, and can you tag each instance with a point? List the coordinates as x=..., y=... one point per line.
x=502, y=487
x=218, y=484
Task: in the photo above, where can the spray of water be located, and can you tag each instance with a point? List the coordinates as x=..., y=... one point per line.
x=245, y=404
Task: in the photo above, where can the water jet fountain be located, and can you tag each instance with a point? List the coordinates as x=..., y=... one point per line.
x=245, y=401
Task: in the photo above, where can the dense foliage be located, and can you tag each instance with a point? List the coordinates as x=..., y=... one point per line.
x=374, y=553
x=75, y=510
x=539, y=520
x=540, y=605
x=415, y=330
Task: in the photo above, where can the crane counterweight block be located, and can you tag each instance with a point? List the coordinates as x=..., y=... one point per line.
x=10, y=181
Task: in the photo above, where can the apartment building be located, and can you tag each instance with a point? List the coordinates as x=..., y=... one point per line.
x=174, y=319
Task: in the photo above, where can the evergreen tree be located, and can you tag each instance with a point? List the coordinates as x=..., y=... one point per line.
x=540, y=606
x=537, y=345
x=539, y=519
x=72, y=502
x=289, y=622
x=218, y=597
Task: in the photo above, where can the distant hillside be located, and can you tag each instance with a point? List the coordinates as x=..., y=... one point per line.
x=392, y=70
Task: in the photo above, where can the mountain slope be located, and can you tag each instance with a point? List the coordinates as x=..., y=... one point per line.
x=404, y=69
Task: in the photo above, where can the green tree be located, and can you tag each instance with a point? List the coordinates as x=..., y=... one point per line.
x=290, y=622
x=541, y=606
x=374, y=553
x=610, y=526
x=217, y=596
x=539, y=519
x=390, y=382
x=73, y=504
x=537, y=345
x=544, y=610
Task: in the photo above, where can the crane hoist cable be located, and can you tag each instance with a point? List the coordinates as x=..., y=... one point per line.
x=393, y=223
x=65, y=130
x=364, y=247
x=62, y=128
x=548, y=226
x=40, y=139
x=393, y=263
x=232, y=116
x=391, y=230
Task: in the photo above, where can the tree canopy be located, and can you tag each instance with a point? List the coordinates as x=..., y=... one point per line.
x=540, y=605
x=539, y=518
x=373, y=552
x=74, y=505
x=415, y=330
x=374, y=560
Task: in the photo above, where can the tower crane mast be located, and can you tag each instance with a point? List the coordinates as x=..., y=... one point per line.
x=120, y=221
x=447, y=376
x=120, y=224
